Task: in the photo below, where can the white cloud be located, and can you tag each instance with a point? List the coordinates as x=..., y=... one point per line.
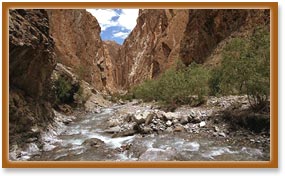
x=104, y=17
x=126, y=19
x=122, y=35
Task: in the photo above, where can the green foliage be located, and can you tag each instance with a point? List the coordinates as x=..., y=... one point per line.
x=63, y=90
x=245, y=68
x=183, y=86
x=68, y=93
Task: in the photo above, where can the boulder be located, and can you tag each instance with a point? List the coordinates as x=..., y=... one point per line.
x=113, y=122
x=196, y=119
x=184, y=120
x=66, y=109
x=93, y=142
x=168, y=123
x=175, y=121
x=171, y=116
x=192, y=114
x=178, y=128
x=169, y=130
x=141, y=117
x=129, y=132
x=114, y=129
x=149, y=118
x=147, y=129
x=222, y=134
x=159, y=114
x=216, y=129
x=202, y=124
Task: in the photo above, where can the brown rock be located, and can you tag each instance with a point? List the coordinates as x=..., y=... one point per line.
x=31, y=61
x=161, y=37
x=78, y=44
x=93, y=142
x=206, y=28
x=111, y=54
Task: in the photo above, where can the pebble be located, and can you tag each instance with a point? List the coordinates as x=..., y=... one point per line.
x=222, y=134
x=168, y=123
x=169, y=129
x=202, y=124
x=216, y=129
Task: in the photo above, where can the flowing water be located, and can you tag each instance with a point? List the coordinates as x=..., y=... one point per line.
x=69, y=145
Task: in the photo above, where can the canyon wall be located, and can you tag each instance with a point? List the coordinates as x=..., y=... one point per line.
x=207, y=28
x=78, y=45
x=161, y=37
x=152, y=46
x=31, y=62
x=111, y=65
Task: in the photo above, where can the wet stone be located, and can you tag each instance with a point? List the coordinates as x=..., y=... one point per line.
x=93, y=142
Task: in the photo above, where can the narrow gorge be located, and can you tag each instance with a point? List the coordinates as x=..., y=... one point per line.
x=76, y=97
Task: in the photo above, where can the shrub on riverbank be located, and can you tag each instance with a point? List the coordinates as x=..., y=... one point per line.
x=245, y=69
x=176, y=86
x=68, y=92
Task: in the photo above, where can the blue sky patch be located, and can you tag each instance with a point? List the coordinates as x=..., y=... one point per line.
x=116, y=24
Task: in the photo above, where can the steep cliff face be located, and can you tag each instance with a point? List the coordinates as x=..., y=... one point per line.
x=207, y=28
x=112, y=65
x=78, y=44
x=153, y=46
x=161, y=37
x=31, y=61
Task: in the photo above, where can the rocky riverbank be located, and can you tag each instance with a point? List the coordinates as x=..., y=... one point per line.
x=142, y=131
x=228, y=118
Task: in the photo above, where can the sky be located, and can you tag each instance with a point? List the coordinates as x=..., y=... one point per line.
x=116, y=24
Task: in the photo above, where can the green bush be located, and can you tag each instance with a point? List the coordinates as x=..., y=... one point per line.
x=245, y=69
x=176, y=86
x=67, y=92
x=63, y=90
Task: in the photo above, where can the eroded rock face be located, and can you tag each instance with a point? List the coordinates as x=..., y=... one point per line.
x=207, y=28
x=31, y=61
x=153, y=46
x=78, y=44
x=112, y=64
x=161, y=37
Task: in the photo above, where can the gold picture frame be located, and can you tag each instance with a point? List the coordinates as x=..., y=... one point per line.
x=273, y=163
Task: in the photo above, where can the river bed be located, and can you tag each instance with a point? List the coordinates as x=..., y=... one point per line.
x=86, y=139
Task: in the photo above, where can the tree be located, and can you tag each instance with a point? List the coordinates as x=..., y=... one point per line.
x=245, y=68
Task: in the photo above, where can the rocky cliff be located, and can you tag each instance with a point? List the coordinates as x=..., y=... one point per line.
x=207, y=28
x=31, y=62
x=150, y=44
x=112, y=65
x=161, y=37
x=78, y=44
